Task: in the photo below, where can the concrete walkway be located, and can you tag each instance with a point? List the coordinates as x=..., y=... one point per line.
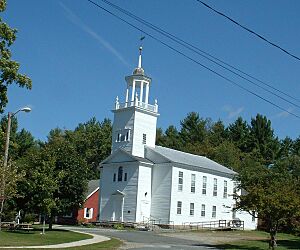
x=96, y=239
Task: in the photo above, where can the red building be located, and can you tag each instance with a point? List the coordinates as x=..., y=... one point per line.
x=90, y=210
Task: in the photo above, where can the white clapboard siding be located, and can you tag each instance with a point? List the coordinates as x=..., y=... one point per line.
x=143, y=205
x=129, y=188
x=161, y=192
x=223, y=205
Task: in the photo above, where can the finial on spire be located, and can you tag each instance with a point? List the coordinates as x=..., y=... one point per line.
x=140, y=57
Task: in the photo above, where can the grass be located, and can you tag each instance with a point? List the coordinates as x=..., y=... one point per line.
x=55, y=236
x=110, y=244
x=257, y=240
x=34, y=238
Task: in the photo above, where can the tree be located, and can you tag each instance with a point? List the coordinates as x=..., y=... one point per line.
x=263, y=138
x=170, y=139
x=92, y=140
x=193, y=128
x=273, y=193
x=228, y=155
x=9, y=69
x=39, y=184
x=217, y=133
x=70, y=173
x=9, y=177
x=239, y=134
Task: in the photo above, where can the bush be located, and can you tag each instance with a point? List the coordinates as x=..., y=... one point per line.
x=119, y=226
x=29, y=218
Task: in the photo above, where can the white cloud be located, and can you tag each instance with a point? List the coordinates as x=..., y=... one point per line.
x=77, y=21
x=232, y=112
x=283, y=114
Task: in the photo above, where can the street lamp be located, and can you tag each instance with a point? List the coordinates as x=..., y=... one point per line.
x=11, y=115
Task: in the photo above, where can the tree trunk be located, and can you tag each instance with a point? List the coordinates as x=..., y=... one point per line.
x=50, y=222
x=273, y=243
x=1, y=212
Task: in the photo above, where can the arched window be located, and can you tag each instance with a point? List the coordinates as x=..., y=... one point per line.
x=120, y=173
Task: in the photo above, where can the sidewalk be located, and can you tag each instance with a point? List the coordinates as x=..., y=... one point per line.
x=95, y=239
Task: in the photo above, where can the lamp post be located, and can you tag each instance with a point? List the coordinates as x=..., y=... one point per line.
x=3, y=184
x=10, y=116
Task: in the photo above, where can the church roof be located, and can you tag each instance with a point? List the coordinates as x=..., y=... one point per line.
x=171, y=155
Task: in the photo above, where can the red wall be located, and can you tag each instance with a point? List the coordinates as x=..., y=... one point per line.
x=91, y=202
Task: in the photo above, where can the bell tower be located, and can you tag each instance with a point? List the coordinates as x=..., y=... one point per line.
x=135, y=119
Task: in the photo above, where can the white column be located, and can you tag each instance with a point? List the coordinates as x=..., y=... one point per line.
x=127, y=94
x=147, y=93
x=122, y=214
x=142, y=91
x=133, y=91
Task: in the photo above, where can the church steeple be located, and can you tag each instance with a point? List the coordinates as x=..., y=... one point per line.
x=135, y=119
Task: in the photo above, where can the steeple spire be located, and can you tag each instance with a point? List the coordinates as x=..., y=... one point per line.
x=140, y=57
x=139, y=70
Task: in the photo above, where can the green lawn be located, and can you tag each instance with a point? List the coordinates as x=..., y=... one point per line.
x=34, y=238
x=256, y=240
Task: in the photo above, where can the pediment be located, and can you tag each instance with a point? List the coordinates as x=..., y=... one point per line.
x=119, y=156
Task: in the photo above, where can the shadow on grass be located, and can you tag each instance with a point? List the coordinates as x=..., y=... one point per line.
x=289, y=244
x=34, y=231
x=259, y=244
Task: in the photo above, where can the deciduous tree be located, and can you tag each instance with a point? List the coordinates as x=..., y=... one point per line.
x=9, y=69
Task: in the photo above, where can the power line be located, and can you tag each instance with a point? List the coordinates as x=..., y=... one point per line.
x=249, y=30
x=205, y=54
x=193, y=60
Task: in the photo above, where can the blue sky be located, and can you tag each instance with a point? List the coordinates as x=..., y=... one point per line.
x=77, y=57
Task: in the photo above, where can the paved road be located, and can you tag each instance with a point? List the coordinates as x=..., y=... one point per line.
x=140, y=240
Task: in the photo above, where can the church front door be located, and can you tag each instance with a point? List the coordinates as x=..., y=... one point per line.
x=117, y=213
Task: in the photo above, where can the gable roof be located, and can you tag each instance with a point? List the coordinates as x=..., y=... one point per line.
x=93, y=186
x=175, y=156
x=113, y=158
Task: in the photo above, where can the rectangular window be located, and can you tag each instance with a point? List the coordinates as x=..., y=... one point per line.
x=123, y=138
x=214, y=212
x=125, y=177
x=144, y=138
x=120, y=173
x=180, y=181
x=127, y=135
x=115, y=176
x=88, y=213
x=192, y=207
x=225, y=190
x=193, y=183
x=179, y=206
x=215, y=191
x=202, y=210
x=118, y=137
x=204, y=185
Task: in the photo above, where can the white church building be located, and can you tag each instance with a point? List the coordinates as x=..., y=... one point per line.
x=140, y=181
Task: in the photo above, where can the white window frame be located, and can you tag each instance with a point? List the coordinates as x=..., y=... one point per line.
x=214, y=212
x=193, y=183
x=215, y=188
x=204, y=185
x=144, y=138
x=179, y=207
x=180, y=181
x=192, y=209
x=90, y=212
x=202, y=210
x=225, y=194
